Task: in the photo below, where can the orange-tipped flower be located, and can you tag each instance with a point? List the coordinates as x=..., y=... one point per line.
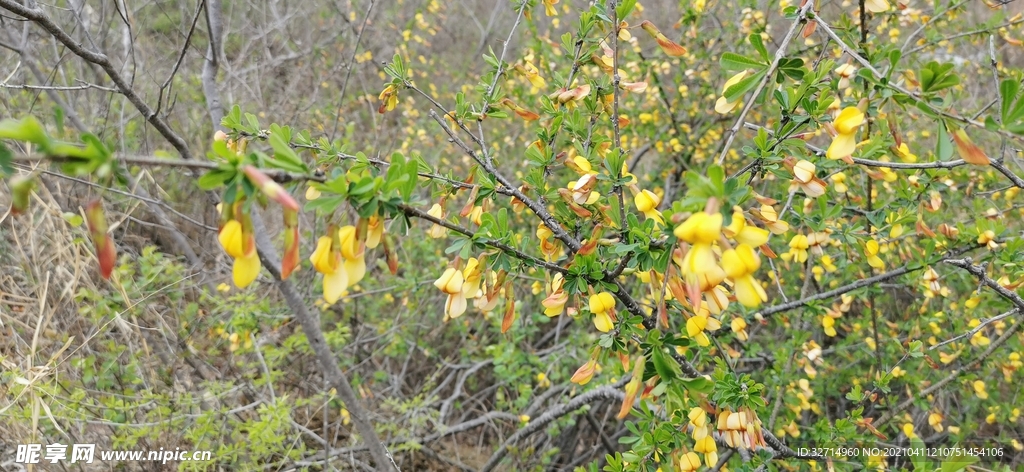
x=632, y=388
x=290, y=260
x=585, y=372
x=522, y=112
x=271, y=189
x=106, y=253
x=969, y=151
x=667, y=45
x=532, y=74
x=388, y=98
x=510, y=309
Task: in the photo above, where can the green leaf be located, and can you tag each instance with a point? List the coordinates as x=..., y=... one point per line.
x=28, y=129
x=737, y=91
x=1008, y=90
x=666, y=368
x=286, y=157
x=733, y=61
x=958, y=462
x=758, y=43
x=918, y=459
x=624, y=9
x=6, y=157
x=325, y=204
x=73, y=219
x=943, y=144
x=698, y=385
x=215, y=178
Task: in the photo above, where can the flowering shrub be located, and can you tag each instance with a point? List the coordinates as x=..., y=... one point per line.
x=767, y=252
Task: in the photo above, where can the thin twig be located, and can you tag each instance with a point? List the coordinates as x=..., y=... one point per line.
x=779, y=54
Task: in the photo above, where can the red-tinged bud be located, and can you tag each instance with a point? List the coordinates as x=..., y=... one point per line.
x=667, y=45
x=575, y=207
x=290, y=260
x=522, y=112
x=470, y=202
x=923, y=229
x=390, y=255
x=271, y=189
x=809, y=29
x=510, y=309
x=21, y=192
x=632, y=388
x=591, y=244
x=588, y=247
x=248, y=234
x=969, y=151
x=624, y=360
x=499, y=280
x=895, y=132
x=584, y=373
x=106, y=253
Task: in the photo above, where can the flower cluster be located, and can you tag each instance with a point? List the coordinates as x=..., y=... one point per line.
x=705, y=265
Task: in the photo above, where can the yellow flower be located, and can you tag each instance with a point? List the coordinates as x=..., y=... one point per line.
x=829, y=323
x=554, y=304
x=979, y=389
x=839, y=182
x=245, y=270
x=437, y=231
x=312, y=193
x=845, y=71
x=647, y=203
x=699, y=323
x=798, y=248
x=722, y=105
x=601, y=305
x=903, y=152
x=324, y=260
x=707, y=446
x=472, y=276
x=549, y=7
x=871, y=251
x=805, y=178
x=232, y=239
x=740, y=265
x=698, y=417
x=353, y=254
x=745, y=233
x=451, y=282
x=689, y=462
x=846, y=125
x=532, y=74
x=876, y=6
x=388, y=98
x=739, y=327
x=374, y=231
x=585, y=372
x=700, y=228
x=935, y=421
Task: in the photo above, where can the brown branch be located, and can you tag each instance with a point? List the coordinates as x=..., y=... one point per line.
x=853, y=286
x=39, y=17
x=779, y=54
x=607, y=392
